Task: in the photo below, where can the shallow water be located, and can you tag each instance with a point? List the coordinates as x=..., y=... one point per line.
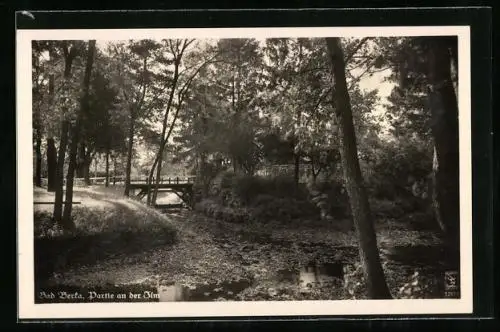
x=314, y=275
x=227, y=290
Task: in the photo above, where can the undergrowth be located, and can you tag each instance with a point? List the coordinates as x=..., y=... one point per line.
x=99, y=234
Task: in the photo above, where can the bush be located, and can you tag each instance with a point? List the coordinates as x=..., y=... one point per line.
x=265, y=208
x=246, y=188
x=281, y=209
x=331, y=198
x=390, y=169
x=214, y=210
x=386, y=208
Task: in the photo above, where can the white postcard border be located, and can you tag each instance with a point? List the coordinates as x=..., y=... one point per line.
x=27, y=309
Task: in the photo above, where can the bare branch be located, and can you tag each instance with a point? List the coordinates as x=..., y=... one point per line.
x=356, y=49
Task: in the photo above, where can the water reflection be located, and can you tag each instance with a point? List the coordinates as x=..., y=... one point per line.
x=209, y=292
x=315, y=275
x=167, y=198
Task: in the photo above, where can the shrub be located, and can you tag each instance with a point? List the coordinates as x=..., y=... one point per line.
x=246, y=188
x=386, y=208
x=284, y=209
x=331, y=198
x=265, y=208
x=284, y=186
x=214, y=210
x=387, y=172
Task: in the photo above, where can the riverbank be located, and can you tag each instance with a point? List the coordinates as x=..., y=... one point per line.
x=187, y=256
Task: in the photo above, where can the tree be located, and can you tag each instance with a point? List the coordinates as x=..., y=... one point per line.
x=177, y=49
x=444, y=125
x=38, y=102
x=103, y=125
x=45, y=58
x=238, y=74
x=135, y=80
x=70, y=52
x=369, y=254
x=426, y=69
x=84, y=107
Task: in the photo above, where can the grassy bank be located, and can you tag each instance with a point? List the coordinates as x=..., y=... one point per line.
x=107, y=226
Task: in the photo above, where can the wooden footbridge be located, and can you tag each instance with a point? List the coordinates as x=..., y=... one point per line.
x=182, y=187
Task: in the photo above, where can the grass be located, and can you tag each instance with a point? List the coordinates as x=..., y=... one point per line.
x=111, y=227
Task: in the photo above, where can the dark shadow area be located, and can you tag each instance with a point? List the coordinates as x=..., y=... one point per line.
x=421, y=256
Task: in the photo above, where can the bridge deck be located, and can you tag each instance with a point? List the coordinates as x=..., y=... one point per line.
x=161, y=185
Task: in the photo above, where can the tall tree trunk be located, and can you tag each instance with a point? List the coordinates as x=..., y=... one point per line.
x=130, y=150
x=69, y=52
x=150, y=181
x=51, y=148
x=296, y=171
x=444, y=126
x=80, y=170
x=67, y=223
x=38, y=155
x=84, y=106
x=107, y=167
x=114, y=169
x=51, y=165
x=61, y=154
x=368, y=249
x=134, y=111
x=164, y=139
x=159, y=157
x=158, y=176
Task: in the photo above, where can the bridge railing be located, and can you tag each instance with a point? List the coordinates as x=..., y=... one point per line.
x=113, y=180
x=165, y=180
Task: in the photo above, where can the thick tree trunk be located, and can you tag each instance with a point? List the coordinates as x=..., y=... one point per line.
x=69, y=55
x=51, y=165
x=444, y=126
x=84, y=106
x=130, y=150
x=368, y=249
x=38, y=155
x=67, y=223
x=58, y=204
x=107, y=167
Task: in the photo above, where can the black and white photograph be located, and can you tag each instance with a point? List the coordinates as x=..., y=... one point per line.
x=244, y=171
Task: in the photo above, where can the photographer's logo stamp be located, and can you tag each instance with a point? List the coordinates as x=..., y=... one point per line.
x=451, y=284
